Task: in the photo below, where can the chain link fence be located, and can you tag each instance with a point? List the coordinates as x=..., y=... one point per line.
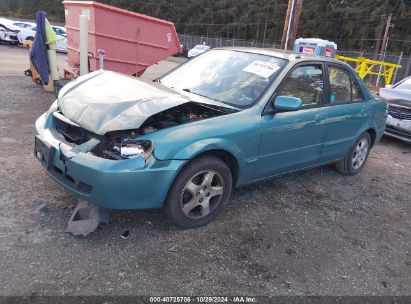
x=190, y=41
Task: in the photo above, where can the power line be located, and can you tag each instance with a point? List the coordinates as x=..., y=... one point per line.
x=370, y=20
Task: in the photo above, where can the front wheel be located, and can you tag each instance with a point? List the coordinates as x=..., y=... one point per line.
x=355, y=160
x=199, y=192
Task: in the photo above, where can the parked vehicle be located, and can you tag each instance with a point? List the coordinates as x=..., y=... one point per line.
x=60, y=30
x=182, y=53
x=197, y=50
x=399, y=109
x=25, y=30
x=61, y=43
x=8, y=32
x=223, y=119
x=24, y=24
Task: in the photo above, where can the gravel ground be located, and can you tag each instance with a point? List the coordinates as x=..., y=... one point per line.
x=313, y=232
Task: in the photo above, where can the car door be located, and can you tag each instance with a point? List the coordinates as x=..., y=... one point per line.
x=349, y=112
x=292, y=140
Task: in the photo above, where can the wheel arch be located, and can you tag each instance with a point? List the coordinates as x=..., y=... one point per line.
x=373, y=135
x=227, y=157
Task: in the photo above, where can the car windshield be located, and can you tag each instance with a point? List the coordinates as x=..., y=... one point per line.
x=405, y=85
x=232, y=77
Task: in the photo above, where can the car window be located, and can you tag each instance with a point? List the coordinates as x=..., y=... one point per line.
x=306, y=83
x=342, y=87
x=58, y=31
x=405, y=85
x=356, y=91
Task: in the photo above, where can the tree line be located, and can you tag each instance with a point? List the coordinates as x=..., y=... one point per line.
x=352, y=24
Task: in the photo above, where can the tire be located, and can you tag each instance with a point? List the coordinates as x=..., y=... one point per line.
x=206, y=181
x=356, y=158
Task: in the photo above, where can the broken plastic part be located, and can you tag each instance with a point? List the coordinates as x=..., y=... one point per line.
x=86, y=218
x=125, y=234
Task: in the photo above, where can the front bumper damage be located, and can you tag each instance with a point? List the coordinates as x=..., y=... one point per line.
x=113, y=184
x=398, y=128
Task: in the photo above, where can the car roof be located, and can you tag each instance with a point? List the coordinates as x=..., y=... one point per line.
x=289, y=55
x=23, y=22
x=9, y=24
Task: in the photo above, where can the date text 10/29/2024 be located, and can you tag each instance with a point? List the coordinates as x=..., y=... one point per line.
x=205, y=299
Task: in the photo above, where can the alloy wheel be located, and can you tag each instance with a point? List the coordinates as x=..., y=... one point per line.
x=202, y=194
x=360, y=153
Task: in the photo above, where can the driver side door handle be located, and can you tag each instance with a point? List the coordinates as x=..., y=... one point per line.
x=320, y=117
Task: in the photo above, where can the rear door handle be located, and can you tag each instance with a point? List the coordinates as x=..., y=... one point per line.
x=319, y=117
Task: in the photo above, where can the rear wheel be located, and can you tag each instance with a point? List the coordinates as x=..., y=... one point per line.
x=355, y=160
x=199, y=192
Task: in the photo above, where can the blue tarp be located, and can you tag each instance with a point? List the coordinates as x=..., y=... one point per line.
x=38, y=54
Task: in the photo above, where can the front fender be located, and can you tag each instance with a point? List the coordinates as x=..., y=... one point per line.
x=245, y=165
x=238, y=134
x=192, y=150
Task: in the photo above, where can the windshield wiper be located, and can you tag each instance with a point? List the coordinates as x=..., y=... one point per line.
x=189, y=91
x=192, y=92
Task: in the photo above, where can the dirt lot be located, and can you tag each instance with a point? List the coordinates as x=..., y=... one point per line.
x=313, y=232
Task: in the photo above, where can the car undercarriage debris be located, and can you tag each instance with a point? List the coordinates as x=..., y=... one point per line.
x=86, y=218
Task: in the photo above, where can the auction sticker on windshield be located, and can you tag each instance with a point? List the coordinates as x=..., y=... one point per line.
x=261, y=68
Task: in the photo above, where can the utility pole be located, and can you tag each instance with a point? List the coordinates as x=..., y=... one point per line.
x=378, y=38
x=394, y=78
x=265, y=28
x=287, y=23
x=384, y=45
x=384, y=39
x=292, y=19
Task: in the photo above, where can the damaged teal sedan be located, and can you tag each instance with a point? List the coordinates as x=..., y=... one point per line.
x=224, y=119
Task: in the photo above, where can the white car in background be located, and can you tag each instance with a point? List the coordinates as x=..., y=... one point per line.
x=60, y=30
x=27, y=31
x=61, y=34
x=8, y=32
x=197, y=50
x=398, y=123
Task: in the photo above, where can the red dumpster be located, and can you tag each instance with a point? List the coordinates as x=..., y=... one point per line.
x=131, y=41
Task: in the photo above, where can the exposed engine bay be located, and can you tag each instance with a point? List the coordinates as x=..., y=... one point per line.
x=124, y=144
x=184, y=113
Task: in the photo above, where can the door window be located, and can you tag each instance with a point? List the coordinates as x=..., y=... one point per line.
x=342, y=87
x=306, y=83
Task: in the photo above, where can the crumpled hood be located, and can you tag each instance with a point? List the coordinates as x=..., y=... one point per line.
x=105, y=101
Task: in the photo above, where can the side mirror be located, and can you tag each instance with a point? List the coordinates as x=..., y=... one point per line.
x=288, y=103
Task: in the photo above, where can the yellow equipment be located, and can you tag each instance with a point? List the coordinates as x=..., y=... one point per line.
x=364, y=67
